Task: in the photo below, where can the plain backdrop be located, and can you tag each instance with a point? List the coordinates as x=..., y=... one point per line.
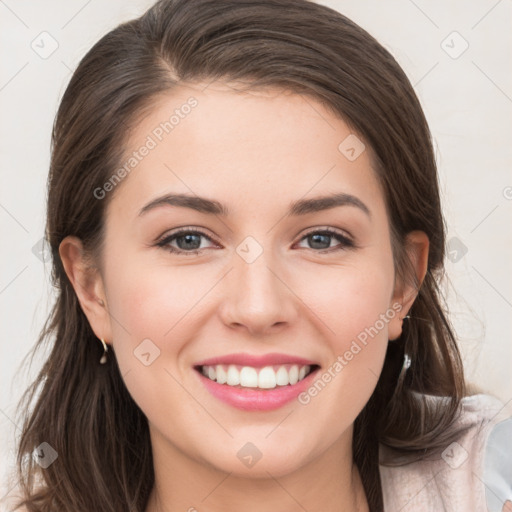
x=457, y=55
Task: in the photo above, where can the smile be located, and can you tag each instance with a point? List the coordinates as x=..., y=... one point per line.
x=256, y=383
x=267, y=377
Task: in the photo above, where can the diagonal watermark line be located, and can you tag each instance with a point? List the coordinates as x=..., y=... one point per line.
x=487, y=488
x=428, y=72
x=440, y=493
x=318, y=113
x=5, y=5
x=199, y=403
x=312, y=187
x=119, y=323
x=493, y=287
x=198, y=301
x=8, y=492
x=67, y=67
x=300, y=299
x=492, y=81
x=501, y=409
x=217, y=486
x=279, y=423
x=484, y=218
x=76, y=14
x=286, y=491
x=485, y=15
x=374, y=374
x=5, y=414
x=14, y=76
x=14, y=218
x=12, y=280
x=208, y=85
x=424, y=13
x=483, y=425
x=421, y=490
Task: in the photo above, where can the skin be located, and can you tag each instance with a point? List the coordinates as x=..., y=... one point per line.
x=256, y=153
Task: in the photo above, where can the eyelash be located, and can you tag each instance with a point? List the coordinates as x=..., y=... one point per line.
x=345, y=242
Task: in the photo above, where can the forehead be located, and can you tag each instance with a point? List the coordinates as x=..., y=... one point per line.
x=250, y=149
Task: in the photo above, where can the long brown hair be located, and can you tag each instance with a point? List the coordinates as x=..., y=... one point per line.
x=82, y=409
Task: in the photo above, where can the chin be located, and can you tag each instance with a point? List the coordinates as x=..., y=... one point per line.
x=258, y=459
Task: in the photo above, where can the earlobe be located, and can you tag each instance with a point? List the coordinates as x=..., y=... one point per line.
x=87, y=284
x=417, y=248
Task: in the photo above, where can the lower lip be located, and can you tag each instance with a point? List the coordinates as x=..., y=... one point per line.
x=254, y=399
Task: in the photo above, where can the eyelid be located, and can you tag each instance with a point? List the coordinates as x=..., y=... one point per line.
x=332, y=231
x=346, y=240
x=163, y=239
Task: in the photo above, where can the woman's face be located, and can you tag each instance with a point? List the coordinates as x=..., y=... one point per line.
x=261, y=284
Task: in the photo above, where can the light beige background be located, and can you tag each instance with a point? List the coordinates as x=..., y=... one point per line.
x=467, y=97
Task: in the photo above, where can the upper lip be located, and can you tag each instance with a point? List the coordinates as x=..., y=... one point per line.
x=256, y=360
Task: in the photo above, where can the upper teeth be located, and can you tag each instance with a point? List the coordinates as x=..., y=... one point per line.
x=249, y=377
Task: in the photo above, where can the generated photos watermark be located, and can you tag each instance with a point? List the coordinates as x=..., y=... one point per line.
x=152, y=140
x=355, y=348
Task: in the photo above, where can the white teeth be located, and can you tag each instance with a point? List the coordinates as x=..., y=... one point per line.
x=233, y=377
x=265, y=378
x=222, y=376
x=294, y=374
x=282, y=377
x=248, y=377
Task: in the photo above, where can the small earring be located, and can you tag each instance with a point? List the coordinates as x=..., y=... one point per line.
x=406, y=316
x=103, y=359
x=405, y=366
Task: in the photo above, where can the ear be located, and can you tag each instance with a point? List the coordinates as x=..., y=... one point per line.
x=417, y=246
x=88, y=285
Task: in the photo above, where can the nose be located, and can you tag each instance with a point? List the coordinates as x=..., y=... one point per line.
x=258, y=298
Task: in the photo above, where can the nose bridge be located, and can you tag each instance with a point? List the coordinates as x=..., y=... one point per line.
x=256, y=299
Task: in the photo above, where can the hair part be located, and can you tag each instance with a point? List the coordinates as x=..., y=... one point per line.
x=83, y=409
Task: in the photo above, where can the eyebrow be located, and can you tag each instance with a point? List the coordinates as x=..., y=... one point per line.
x=299, y=207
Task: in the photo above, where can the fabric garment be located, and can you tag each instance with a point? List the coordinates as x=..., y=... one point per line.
x=472, y=474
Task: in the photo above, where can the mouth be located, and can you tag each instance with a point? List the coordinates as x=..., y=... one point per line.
x=266, y=377
x=256, y=388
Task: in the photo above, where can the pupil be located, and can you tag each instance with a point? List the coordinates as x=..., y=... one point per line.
x=318, y=239
x=189, y=238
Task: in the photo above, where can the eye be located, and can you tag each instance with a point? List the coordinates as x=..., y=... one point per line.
x=187, y=240
x=321, y=239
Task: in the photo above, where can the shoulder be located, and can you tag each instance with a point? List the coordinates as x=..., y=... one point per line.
x=472, y=473
x=497, y=465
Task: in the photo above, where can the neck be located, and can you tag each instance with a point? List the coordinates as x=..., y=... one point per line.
x=331, y=482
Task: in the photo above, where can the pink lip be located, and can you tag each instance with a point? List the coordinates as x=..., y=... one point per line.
x=252, y=399
x=255, y=361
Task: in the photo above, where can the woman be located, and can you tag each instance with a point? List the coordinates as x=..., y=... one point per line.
x=296, y=355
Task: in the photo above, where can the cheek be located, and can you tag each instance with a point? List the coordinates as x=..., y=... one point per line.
x=363, y=303
x=160, y=303
x=170, y=305
x=153, y=301
x=348, y=300
x=354, y=307
x=153, y=308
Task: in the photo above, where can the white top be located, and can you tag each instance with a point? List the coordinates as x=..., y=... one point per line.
x=473, y=473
